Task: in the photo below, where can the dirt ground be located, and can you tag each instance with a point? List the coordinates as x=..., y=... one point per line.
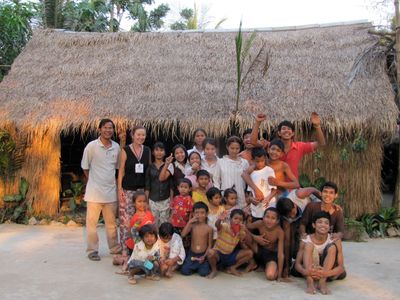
x=49, y=262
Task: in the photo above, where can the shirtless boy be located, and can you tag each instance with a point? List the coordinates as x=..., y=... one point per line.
x=202, y=234
x=270, y=243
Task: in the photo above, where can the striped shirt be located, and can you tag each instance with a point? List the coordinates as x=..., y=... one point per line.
x=231, y=176
x=227, y=240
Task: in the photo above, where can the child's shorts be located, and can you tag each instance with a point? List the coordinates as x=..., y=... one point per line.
x=227, y=260
x=192, y=264
x=268, y=255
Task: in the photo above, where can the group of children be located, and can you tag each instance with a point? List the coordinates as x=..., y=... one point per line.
x=238, y=213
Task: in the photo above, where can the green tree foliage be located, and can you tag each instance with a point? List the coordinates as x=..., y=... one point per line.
x=15, y=30
x=87, y=15
x=188, y=20
x=144, y=20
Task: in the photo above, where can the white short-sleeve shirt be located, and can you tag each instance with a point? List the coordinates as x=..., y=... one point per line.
x=101, y=163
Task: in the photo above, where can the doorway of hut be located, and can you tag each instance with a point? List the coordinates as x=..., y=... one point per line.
x=73, y=144
x=389, y=172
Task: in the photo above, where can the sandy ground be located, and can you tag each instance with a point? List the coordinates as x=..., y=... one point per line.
x=49, y=262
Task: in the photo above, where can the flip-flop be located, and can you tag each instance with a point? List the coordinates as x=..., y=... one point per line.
x=94, y=256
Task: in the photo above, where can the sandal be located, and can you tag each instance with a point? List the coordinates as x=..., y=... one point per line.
x=94, y=256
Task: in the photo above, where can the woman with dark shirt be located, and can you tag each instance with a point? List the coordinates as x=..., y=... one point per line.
x=134, y=160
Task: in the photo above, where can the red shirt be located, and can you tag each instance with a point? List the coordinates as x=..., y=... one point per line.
x=295, y=154
x=148, y=218
x=181, y=208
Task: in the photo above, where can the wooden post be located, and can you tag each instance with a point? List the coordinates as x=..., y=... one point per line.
x=396, y=198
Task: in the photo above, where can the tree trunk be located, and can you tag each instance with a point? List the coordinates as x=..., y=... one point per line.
x=396, y=199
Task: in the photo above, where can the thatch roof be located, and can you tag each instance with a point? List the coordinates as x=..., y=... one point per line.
x=66, y=80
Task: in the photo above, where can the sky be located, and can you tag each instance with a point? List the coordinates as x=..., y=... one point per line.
x=279, y=13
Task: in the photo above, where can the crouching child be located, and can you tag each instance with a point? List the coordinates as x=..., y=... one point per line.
x=145, y=256
x=171, y=249
x=320, y=257
x=225, y=250
x=201, y=242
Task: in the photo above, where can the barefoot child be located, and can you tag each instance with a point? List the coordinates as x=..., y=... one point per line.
x=215, y=208
x=270, y=243
x=291, y=210
x=172, y=252
x=181, y=205
x=203, y=181
x=229, y=236
x=196, y=258
x=320, y=258
x=145, y=256
x=329, y=193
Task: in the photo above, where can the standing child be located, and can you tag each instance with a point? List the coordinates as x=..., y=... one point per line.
x=159, y=192
x=320, y=258
x=232, y=167
x=203, y=181
x=196, y=259
x=270, y=243
x=199, y=136
x=210, y=161
x=214, y=208
x=145, y=256
x=225, y=250
x=257, y=179
x=171, y=250
x=141, y=217
x=181, y=205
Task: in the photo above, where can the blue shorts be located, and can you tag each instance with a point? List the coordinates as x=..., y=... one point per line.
x=227, y=260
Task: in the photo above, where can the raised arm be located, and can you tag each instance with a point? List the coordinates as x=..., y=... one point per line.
x=316, y=121
x=164, y=174
x=255, y=130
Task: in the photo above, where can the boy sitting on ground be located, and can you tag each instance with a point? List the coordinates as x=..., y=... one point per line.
x=320, y=258
x=270, y=243
x=329, y=193
x=202, y=234
x=225, y=251
x=172, y=253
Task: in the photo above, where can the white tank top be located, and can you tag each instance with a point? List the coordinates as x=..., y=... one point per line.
x=320, y=248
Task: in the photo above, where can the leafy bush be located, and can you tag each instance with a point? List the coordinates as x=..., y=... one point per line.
x=17, y=207
x=378, y=224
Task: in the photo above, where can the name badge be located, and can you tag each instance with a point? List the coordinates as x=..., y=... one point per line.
x=139, y=168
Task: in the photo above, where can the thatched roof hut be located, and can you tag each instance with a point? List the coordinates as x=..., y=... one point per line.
x=66, y=81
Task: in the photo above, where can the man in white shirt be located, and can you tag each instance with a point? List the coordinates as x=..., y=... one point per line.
x=99, y=162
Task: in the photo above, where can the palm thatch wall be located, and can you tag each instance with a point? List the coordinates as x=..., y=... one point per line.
x=65, y=82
